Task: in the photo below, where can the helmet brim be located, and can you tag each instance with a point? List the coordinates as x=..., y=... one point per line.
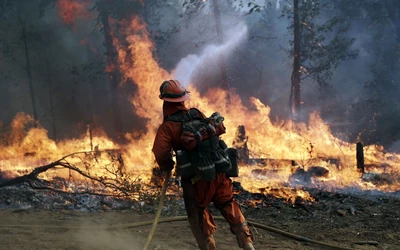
x=179, y=99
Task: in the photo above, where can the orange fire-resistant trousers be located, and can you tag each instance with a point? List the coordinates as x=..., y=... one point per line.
x=219, y=191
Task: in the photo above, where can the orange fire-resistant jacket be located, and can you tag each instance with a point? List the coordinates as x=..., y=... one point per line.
x=198, y=195
x=168, y=137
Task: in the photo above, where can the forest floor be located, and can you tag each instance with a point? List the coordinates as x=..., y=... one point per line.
x=336, y=219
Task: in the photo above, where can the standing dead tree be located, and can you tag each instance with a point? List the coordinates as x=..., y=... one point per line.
x=295, y=78
x=112, y=61
x=28, y=65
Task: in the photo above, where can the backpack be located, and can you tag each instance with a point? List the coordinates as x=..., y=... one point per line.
x=204, y=153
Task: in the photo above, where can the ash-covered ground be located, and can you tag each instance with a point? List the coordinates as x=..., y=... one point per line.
x=33, y=219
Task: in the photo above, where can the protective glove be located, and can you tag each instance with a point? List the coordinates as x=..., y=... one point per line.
x=158, y=176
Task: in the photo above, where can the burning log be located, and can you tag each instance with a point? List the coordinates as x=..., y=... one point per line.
x=240, y=144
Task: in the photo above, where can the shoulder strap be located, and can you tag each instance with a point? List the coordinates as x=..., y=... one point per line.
x=176, y=117
x=195, y=114
x=181, y=116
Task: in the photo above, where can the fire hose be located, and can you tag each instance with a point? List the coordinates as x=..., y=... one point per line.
x=253, y=223
x=184, y=218
x=158, y=213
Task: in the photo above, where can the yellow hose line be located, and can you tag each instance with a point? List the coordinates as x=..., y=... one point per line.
x=158, y=213
x=184, y=218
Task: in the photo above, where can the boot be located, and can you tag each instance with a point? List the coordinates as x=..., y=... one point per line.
x=248, y=246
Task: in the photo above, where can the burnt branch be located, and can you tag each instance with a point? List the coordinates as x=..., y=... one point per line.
x=113, y=182
x=33, y=176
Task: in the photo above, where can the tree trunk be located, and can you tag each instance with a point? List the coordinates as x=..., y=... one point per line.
x=296, y=84
x=112, y=60
x=90, y=97
x=28, y=66
x=220, y=40
x=50, y=91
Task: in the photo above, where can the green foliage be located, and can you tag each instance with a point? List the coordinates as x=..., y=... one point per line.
x=193, y=6
x=251, y=4
x=324, y=44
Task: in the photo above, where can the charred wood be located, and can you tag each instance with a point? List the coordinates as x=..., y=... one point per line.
x=360, y=157
x=240, y=144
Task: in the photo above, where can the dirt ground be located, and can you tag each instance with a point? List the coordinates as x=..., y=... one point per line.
x=372, y=220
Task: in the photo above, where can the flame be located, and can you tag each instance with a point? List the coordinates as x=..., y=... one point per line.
x=72, y=10
x=281, y=140
x=308, y=145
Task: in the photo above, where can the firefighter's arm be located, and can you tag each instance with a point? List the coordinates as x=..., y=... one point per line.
x=162, y=148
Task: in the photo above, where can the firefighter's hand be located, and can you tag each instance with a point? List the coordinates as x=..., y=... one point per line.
x=160, y=172
x=159, y=176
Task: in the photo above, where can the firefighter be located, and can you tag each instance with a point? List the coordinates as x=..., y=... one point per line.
x=197, y=194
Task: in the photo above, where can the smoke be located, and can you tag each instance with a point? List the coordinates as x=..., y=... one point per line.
x=123, y=239
x=212, y=53
x=395, y=147
x=105, y=239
